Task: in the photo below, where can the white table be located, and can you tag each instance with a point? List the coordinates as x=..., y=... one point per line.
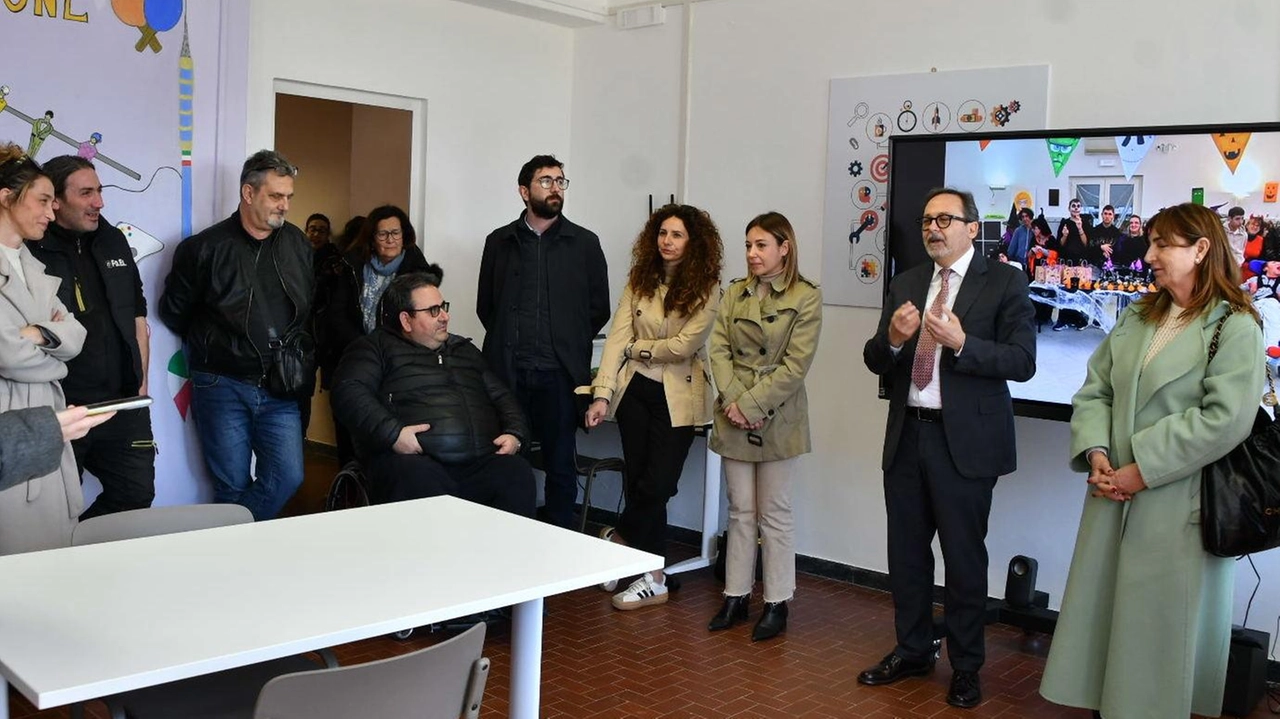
x=86, y=622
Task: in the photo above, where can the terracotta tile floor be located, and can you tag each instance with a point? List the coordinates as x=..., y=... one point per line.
x=662, y=662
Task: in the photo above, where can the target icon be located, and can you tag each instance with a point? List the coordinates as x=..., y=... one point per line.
x=880, y=168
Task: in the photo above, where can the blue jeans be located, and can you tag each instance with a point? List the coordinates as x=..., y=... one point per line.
x=235, y=420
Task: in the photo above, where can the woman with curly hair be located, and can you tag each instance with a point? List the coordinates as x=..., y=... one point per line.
x=653, y=376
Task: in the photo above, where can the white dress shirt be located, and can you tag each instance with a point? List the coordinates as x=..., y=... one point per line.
x=931, y=395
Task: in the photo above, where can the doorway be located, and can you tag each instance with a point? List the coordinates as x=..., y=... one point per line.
x=354, y=151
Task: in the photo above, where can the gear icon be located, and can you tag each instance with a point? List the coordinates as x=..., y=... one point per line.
x=1000, y=115
x=1014, y=106
x=855, y=168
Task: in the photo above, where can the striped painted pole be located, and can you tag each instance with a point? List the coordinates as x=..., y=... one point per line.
x=186, y=123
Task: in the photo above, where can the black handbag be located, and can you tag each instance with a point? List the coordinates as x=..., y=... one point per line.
x=293, y=366
x=1240, y=492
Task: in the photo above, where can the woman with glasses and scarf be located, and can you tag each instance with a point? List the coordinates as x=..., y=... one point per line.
x=385, y=248
x=37, y=337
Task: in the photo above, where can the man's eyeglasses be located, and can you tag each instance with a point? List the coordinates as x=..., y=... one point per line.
x=546, y=182
x=433, y=310
x=382, y=235
x=943, y=221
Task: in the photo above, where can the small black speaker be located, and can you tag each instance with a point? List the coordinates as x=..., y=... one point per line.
x=1020, y=584
x=1246, y=671
x=1053, y=197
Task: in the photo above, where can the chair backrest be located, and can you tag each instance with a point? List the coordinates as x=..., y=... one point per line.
x=444, y=681
x=157, y=520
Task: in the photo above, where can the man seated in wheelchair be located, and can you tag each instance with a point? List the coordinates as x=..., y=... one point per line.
x=427, y=415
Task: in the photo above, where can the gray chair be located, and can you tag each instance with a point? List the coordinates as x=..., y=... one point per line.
x=225, y=694
x=157, y=520
x=444, y=681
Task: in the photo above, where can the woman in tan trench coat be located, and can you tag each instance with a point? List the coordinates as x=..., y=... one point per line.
x=1146, y=615
x=37, y=336
x=653, y=376
x=761, y=348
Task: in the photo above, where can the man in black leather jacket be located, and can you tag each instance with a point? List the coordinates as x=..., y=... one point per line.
x=427, y=414
x=236, y=294
x=101, y=286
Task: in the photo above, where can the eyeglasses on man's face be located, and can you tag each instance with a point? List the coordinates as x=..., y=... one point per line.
x=384, y=235
x=546, y=181
x=433, y=310
x=943, y=221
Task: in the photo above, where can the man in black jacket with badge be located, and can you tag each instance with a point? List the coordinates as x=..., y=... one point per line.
x=427, y=414
x=239, y=294
x=101, y=286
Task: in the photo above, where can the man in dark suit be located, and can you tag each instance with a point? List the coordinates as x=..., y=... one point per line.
x=949, y=434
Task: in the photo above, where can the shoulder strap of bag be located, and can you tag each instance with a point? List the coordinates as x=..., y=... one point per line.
x=1217, y=334
x=1213, y=351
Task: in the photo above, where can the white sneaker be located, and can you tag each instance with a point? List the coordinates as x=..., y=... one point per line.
x=642, y=593
x=606, y=533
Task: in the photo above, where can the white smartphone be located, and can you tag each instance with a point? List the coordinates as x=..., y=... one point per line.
x=116, y=405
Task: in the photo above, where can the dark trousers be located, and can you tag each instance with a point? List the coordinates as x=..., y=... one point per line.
x=1072, y=318
x=925, y=495
x=121, y=453
x=654, y=453
x=548, y=401
x=304, y=413
x=501, y=481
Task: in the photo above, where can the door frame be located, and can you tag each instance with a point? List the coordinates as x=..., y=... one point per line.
x=418, y=141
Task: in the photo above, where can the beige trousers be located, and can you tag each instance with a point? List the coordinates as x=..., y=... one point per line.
x=760, y=502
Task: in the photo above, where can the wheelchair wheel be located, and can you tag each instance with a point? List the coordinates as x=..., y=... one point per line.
x=348, y=489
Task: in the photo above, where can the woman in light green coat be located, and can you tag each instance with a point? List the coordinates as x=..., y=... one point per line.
x=1146, y=616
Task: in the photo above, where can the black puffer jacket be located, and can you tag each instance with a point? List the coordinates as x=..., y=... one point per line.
x=206, y=295
x=385, y=382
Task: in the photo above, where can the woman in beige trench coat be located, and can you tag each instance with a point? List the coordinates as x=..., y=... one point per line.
x=37, y=336
x=761, y=347
x=653, y=377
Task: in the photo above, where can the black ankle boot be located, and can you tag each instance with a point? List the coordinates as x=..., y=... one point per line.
x=773, y=621
x=733, y=610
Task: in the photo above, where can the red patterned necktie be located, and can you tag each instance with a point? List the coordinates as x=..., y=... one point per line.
x=922, y=365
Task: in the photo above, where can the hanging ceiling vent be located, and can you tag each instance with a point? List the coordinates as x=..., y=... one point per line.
x=643, y=16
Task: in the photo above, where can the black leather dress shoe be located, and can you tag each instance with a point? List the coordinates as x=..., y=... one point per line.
x=965, y=691
x=733, y=610
x=892, y=668
x=773, y=621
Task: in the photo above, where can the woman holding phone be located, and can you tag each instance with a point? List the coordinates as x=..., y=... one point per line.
x=653, y=377
x=37, y=337
x=761, y=347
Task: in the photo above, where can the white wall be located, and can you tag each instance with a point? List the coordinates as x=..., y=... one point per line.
x=760, y=70
x=497, y=91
